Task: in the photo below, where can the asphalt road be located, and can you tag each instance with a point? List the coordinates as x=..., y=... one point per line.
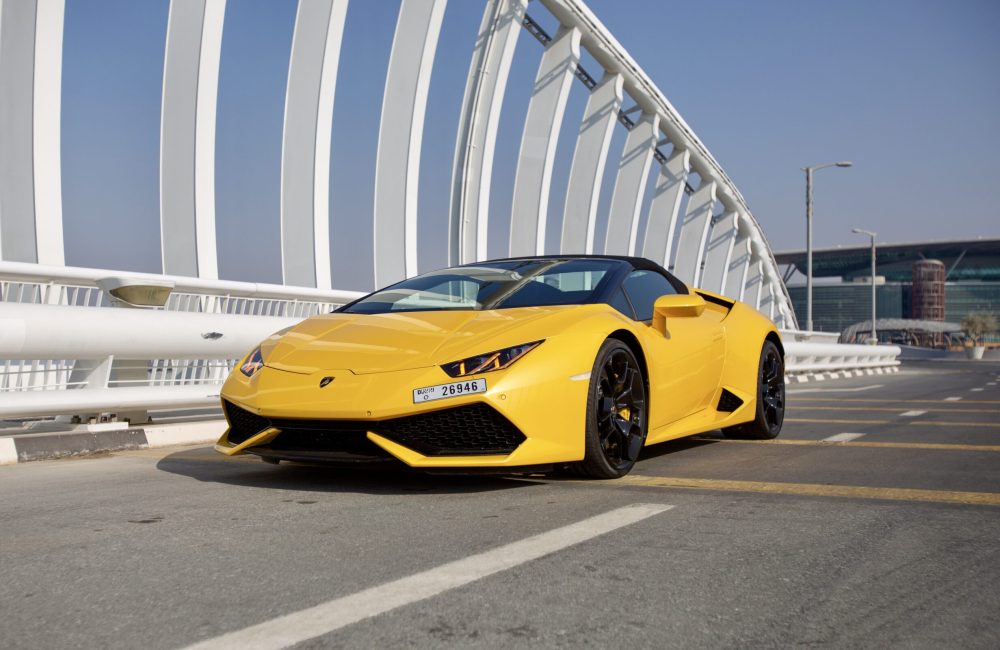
x=891, y=539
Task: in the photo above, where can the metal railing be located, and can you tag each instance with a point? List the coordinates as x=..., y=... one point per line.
x=85, y=346
x=806, y=358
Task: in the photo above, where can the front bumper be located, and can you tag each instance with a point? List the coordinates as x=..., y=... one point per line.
x=532, y=414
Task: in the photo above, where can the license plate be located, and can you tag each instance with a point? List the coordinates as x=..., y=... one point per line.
x=442, y=391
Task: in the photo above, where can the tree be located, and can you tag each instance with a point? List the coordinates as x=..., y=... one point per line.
x=979, y=324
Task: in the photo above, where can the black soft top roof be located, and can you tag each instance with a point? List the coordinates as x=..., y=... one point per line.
x=638, y=263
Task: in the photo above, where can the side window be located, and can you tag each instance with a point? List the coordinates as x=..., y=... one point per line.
x=621, y=303
x=643, y=288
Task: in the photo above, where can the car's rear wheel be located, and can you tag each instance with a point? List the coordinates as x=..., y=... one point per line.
x=770, y=413
x=617, y=413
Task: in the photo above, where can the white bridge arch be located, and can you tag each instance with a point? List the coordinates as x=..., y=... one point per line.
x=715, y=243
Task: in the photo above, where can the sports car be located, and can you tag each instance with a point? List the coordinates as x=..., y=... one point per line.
x=513, y=365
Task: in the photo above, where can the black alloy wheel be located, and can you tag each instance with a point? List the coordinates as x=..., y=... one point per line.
x=770, y=413
x=616, y=413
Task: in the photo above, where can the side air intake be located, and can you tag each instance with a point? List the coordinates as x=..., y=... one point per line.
x=728, y=402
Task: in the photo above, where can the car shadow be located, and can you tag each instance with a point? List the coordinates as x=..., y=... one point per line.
x=206, y=465
x=679, y=445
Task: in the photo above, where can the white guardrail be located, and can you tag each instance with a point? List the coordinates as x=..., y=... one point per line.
x=66, y=350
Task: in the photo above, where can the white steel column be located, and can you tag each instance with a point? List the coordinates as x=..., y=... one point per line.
x=31, y=36
x=46, y=131
x=187, y=137
x=738, y=265
x=397, y=166
x=767, y=298
x=587, y=171
x=719, y=251
x=305, y=152
x=755, y=278
x=633, y=172
x=542, y=123
x=781, y=317
x=693, y=233
x=477, y=130
x=664, y=208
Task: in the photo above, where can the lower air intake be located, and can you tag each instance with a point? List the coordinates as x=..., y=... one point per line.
x=473, y=430
x=242, y=423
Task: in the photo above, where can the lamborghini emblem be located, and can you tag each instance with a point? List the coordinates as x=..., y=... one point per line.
x=325, y=381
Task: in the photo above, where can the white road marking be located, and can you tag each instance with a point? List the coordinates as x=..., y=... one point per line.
x=977, y=390
x=832, y=390
x=843, y=437
x=324, y=618
x=991, y=383
x=8, y=452
x=952, y=399
x=911, y=414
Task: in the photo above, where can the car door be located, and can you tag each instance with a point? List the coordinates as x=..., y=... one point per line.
x=685, y=365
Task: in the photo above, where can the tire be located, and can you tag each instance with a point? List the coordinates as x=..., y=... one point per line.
x=770, y=412
x=617, y=415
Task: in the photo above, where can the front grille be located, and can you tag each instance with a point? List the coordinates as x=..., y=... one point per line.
x=475, y=429
x=352, y=442
x=242, y=423
x=728, y=402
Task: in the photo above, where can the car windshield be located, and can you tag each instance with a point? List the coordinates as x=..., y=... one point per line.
x=492, y=285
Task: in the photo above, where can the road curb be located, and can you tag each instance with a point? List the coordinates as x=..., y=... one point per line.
x=26, y=447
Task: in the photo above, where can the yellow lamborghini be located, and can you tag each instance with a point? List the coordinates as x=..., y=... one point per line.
x=510, y=365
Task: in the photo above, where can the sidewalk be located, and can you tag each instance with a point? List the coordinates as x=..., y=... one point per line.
x=24, y=447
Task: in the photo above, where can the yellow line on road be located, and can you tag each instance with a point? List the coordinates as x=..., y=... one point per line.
x=896, y=410
x=810, y=421
x=931, y=423
x=867, y=400
x=811, y=489
x=856, y=443
x=916, y=423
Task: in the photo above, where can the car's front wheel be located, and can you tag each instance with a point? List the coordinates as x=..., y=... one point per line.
x=617, y=413
x=770, y=412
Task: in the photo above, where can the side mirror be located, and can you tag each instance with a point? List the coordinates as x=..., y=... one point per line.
x=676, y=306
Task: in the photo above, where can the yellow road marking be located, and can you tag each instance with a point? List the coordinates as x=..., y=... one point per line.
x=856, y=443
x=811, y=489
x=888, y=401
x=916, y=423
x=880, y=408
x=931, y=423
x=809, y=421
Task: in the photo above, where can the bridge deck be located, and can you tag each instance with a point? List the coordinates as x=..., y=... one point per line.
x=888, y=537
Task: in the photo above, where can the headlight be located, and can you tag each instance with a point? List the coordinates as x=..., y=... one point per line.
x=253, y=363
x=490, y=361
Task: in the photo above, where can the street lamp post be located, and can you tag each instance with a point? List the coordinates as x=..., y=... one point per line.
x=859, y=231
x=809, y=235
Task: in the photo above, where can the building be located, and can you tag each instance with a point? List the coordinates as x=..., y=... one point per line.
x=971, y=281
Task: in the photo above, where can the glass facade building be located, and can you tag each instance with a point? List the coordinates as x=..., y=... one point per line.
x=837, y=306
x=961, y=298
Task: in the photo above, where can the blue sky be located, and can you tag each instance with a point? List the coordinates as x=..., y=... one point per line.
x=907, y=89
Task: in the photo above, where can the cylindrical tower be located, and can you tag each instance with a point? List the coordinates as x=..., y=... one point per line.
x=928, y=290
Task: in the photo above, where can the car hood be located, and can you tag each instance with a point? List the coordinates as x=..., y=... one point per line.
x=369, y=343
